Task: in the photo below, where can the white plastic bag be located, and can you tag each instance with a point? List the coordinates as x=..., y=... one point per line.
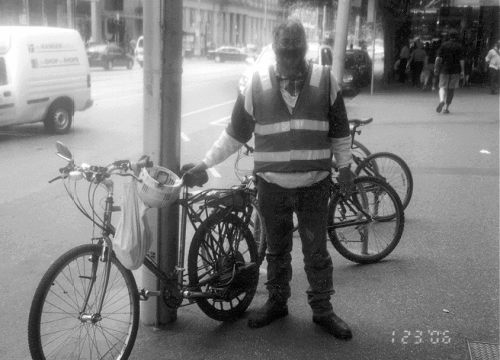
x=132, y=236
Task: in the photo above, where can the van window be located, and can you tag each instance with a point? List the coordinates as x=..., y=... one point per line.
x=3, y=72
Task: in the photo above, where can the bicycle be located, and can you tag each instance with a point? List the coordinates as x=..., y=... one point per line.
x=372, y=211
x=87, y=303
x=385, y=165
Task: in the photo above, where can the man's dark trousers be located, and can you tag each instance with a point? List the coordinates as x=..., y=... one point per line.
x=310, y=204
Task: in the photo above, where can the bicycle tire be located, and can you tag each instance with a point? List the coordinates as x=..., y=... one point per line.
x=359, y=150
x=374, y=213
x=55, y=309
x=221, y=243
x=391, y=168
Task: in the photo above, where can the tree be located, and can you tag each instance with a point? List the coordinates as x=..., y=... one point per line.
x=396, y=27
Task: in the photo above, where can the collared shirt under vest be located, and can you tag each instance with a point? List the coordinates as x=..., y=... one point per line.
x=296, y=141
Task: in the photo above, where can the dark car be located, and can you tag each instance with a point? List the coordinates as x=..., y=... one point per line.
x=227, y=53
x=357, y=70
x=109, y=56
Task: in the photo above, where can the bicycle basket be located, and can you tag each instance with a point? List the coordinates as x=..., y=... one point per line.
x=159, y=187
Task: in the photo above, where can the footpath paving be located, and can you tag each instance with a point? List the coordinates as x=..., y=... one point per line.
x=426, y=302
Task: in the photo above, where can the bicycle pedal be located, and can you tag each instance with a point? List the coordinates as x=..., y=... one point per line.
x=144, y=294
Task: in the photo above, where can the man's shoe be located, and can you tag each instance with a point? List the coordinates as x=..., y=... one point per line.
x=446, y=111
x=270, y=311
x=440, y=107
x=334, y=325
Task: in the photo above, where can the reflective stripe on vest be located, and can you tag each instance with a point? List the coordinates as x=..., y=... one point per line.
x=294, y=124
x=284, y=156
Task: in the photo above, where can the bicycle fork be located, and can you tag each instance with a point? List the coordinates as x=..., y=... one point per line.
x=104, y=257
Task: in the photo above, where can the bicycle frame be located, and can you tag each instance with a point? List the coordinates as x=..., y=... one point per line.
x=188, y=212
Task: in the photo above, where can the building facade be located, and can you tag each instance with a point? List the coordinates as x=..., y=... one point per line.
x=206, y=23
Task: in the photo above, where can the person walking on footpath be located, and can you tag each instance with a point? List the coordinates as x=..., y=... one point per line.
x=417, y=61
x=449, y=65
x=404, y=55
x=297, y=114
x=493, y=60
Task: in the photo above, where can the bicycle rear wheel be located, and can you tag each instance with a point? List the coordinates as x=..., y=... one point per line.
x=366, y=226
x=223, y=264
x=61, y=327
x=391, y=168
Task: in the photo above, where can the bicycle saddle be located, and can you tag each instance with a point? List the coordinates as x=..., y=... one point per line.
x=360, y=122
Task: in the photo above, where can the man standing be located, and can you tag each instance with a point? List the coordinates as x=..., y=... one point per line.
x=493, y=60
x=449, y=66
x=297, y=114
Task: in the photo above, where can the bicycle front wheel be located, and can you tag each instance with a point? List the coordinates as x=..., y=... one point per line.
x=366, y=226
x=64, y=320
x=391, y=168
x=223, y=265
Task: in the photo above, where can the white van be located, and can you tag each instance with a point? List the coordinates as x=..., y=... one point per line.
x=44, y=76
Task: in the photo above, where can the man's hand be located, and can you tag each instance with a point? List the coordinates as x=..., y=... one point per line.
x=346, y=180
x=194, y=174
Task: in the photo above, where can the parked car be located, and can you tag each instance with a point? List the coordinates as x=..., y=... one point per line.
x=109, y=56
x=139, y=51
x=357, y=69
x=227, y=53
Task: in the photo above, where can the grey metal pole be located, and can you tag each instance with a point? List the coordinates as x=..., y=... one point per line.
x=170, y=130
x=340, y=38
x=70, y=13
x=162, y=113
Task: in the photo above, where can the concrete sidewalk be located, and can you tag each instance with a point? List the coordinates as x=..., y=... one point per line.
x=419, y=304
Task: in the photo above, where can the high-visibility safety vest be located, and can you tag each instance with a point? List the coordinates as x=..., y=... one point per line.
x=296, y=142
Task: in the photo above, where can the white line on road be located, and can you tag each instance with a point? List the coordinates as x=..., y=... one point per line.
x=207, y=108
x=221, y=122
x=214, y=172
x=185, y=137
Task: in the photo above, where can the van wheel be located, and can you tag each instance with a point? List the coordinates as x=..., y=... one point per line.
x=59, y=118
x=130, y=64
x=218, y=59
x=109, y=65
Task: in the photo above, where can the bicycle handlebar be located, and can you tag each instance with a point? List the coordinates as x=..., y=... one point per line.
x=98, y=173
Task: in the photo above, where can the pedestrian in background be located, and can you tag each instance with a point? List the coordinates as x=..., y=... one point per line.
x=449, y=66
x=297, y=114
x=416, y=62
x=428, y=72
x=404, y=55
x=493, y=60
